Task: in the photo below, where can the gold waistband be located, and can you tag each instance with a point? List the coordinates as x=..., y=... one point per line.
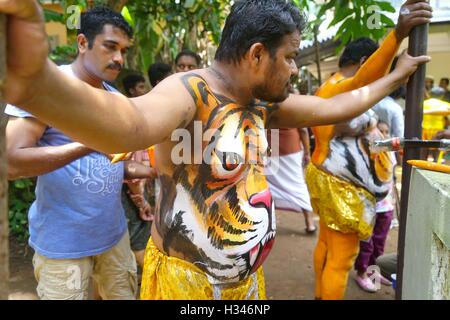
x=171, y=278
x=341, y=205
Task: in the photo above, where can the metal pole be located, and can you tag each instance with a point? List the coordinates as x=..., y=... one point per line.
x=4, y=226
x=418, y=44
x=317, y=47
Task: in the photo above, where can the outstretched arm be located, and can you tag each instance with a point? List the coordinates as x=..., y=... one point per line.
x=309, y=111
x=106, y=121
x=379, y=63
x=373, y=69
x=101, y=120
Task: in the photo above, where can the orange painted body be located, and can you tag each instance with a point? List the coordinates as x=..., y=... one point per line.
x=338, y=246
x=373, y=69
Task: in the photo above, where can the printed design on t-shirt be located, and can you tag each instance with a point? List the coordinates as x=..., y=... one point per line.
x=98, y=175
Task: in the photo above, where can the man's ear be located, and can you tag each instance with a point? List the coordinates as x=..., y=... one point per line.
x=256, y=53
x=83, y=43
x=363, y=59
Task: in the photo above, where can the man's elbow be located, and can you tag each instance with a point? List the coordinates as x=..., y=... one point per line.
x=14, y=171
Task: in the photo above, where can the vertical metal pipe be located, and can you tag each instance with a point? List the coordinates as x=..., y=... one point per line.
x=418, y=44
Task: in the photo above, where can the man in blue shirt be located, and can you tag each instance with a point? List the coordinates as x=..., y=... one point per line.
x=77, y=224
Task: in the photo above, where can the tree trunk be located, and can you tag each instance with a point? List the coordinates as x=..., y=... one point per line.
x=4, y=245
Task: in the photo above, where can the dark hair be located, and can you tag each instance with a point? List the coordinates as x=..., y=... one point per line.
x=190, y=53
x=253, y=21
x=131, y=80
x=446, y=80
x=94, y=20
x=355, y=50
x=158, y=72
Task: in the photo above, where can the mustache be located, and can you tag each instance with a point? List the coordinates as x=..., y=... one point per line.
x=114, y=66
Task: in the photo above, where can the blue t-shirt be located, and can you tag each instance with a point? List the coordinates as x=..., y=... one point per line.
x=78, y=210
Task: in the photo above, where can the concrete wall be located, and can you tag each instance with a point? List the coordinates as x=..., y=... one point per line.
x=57, y=34
x=427, y=249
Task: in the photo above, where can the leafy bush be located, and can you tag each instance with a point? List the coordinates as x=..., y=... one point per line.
x=63, y=54
x=20, y=196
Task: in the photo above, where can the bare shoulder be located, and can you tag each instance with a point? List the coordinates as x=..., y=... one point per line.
x=26, y=124
x=182, y=89
x=174, y=101
x=180, y=81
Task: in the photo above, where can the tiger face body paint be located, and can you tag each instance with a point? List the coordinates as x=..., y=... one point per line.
x=218, y=214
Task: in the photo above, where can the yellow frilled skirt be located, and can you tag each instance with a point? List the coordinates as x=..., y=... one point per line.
x=341, y=205
x=428, y=134
x=170, y=278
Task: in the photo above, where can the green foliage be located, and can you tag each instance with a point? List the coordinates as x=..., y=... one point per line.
x=20, y=197
x=50, y=15
x=310, y=10
x=63, y=54
x=163, y=28
x=358, y=18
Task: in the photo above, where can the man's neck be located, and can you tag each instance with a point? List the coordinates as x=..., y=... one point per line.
x=229, y=78
x=349, y=71
x=81, y=73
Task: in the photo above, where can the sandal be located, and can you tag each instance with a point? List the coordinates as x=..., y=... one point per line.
x=311, y=231
x=366, y=284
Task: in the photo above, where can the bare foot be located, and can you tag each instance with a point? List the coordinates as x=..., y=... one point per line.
x=309, y=222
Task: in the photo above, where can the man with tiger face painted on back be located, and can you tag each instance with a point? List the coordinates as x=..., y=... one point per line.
x=344, y=178
x=214, y=222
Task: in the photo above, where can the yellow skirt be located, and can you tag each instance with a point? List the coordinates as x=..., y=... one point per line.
x=428, y=133
x=341, y=205
x=170, y=278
